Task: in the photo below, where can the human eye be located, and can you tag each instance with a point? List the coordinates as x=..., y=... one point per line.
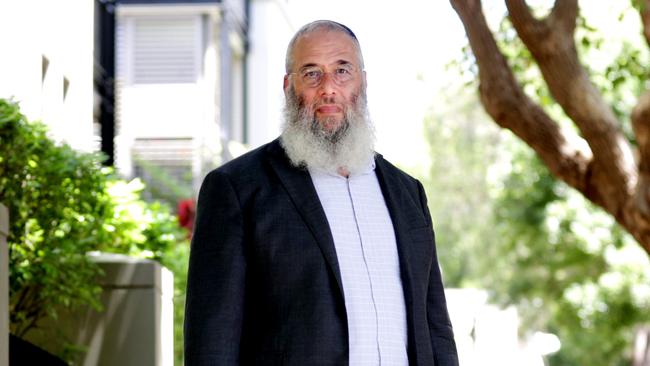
x=311, y=74
x=343, y=70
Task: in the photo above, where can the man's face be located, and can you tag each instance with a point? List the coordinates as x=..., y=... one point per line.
x=329, y=52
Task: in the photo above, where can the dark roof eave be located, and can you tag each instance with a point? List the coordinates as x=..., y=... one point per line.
x=164, y=2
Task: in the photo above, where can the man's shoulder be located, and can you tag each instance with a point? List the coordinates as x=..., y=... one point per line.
x=400, y=183
x=247, y=160
x=389, y=169
x=254, y=158
x=252, y=164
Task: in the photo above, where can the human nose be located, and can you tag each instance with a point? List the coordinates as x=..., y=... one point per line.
x=327, y=84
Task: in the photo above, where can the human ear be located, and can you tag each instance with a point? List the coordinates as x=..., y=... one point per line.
x=285, y=84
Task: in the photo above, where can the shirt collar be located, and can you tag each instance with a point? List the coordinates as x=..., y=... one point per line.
x=370, y=168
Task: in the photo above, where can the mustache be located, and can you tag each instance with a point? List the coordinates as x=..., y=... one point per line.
x=327, y=100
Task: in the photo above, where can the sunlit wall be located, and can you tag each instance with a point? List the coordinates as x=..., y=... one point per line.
x=47, y=65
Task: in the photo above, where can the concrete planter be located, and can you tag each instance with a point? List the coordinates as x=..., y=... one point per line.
x=136, y=325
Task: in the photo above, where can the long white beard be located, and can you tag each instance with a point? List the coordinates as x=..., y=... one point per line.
x=350, y=147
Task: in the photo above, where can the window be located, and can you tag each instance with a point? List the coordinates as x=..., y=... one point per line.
x=165, y=49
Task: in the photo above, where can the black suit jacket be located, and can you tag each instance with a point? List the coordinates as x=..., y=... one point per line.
x=264, y=285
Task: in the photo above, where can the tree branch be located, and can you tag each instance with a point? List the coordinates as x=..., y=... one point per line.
x=551, y=44
x=641, y=126
x=505, y=101
x=609, y=177
x=564, y=15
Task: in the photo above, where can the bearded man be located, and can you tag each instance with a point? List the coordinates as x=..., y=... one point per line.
x=313, y=249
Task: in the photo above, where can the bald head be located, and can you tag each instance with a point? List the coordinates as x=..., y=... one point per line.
x=316, y=26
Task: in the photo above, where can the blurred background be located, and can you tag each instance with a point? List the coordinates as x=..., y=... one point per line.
x=113, y=111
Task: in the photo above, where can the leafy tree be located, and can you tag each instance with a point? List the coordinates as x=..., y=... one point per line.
x=570, y=268
x=504, y=223
x=599, y=162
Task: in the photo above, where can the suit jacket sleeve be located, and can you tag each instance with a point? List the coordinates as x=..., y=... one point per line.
x=216, y=277
x=442, y=335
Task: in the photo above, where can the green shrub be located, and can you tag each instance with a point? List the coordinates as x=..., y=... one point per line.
x=57, y=200
x=64, y=204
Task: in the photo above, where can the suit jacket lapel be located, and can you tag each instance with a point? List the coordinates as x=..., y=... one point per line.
x=404, y=213
x=300, y=188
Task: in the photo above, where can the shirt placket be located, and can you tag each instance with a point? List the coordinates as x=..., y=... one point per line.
x=366, y=250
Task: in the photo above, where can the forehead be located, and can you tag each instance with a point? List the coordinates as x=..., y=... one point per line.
x=324, y=47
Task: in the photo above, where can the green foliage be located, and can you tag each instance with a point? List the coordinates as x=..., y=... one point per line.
x=138, y=228
x=461, y=141
x=575, y=272
x=56, y=198
x=64, y=204
x=162, y=185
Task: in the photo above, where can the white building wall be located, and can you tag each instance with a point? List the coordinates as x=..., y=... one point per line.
x=63, y=34
x=487, y=334
x=208, y=142
x=270, y=31
x=161, y=110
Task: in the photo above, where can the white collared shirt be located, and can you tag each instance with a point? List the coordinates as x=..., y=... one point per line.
x=366, y=249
